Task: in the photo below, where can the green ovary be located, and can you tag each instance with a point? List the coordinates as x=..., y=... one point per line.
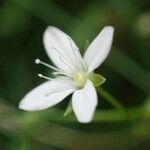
x=80, y=79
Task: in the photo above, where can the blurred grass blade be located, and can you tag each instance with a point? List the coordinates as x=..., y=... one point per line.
x=146, y=107
x=46, y=10
x=129, y=69
x=108, y=97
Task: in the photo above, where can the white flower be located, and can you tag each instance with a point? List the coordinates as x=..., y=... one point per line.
x=73, y=71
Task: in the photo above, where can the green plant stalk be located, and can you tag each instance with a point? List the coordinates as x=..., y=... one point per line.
x=109, y=98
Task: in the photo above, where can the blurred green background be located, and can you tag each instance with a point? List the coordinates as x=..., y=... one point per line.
x=127, y=70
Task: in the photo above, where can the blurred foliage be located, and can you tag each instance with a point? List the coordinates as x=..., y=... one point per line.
x=127, y=71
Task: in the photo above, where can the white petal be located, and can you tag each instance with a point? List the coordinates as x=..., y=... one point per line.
x=99, y=48
x=47, y=94
x=84, y=103
x=62, y=50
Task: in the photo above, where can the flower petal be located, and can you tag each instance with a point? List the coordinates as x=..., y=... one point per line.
x=47, y=94
x=84, y=103
x=62, y=50
x=99, y=48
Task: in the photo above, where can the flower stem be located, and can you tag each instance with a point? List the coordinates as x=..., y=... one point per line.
x=112, y=100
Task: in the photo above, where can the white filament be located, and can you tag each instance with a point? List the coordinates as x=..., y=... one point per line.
x=45, y=77
x=38, y=61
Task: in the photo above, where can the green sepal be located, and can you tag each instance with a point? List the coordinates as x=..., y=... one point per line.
x=87, y=43
x=97, y=79
x=68, y=110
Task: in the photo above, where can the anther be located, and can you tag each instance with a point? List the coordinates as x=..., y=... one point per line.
x=45, y=77
x=38, y=61
x=40, y=75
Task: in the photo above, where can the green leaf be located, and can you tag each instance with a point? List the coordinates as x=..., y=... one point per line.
x=146, y=107
x=97, y=79
x=68, y=110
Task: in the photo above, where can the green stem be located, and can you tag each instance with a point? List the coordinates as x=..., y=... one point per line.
x=107, y=96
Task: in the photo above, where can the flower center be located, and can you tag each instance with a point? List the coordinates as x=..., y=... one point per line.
x=80, y=79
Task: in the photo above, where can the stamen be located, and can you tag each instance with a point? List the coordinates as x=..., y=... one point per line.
x=76, y=53
x=84, y=66
x=45, y=77
x=73, y=49
x=65, y=62
x=62, y=58
x=61, y=73
x=58, y=52
x=38, y=61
